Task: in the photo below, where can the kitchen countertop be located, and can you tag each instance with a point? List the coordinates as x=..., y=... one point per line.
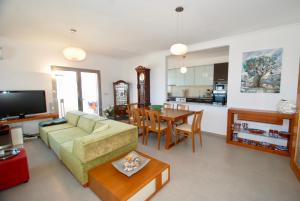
x=195, y=103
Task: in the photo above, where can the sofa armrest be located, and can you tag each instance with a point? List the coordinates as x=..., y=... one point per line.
x=96, y=145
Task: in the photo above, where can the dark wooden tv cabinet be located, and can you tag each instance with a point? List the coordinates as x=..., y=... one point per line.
x=30, y=118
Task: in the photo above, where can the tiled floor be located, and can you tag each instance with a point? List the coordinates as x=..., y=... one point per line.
x=217, y=172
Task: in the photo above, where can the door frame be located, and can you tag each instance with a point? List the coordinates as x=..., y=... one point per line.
x=79, y=88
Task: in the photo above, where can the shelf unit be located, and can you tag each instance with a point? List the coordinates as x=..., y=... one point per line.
x=261, y=116
x=121, y=97
x=263, y=138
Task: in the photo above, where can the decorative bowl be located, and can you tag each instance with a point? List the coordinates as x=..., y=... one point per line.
x=131, y=163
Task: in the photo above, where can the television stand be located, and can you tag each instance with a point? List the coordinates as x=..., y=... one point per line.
x=29, y=118
x=22, y=116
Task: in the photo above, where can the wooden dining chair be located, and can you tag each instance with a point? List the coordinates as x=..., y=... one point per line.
x=139, y=121
x=191, y=130
x=130, y=107
x=168, y=106
x=155, y=125
x=181, y=107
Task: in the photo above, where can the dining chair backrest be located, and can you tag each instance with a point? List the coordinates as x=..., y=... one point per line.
x=153, y=119
x=196, y=125
x=182, y=107
x=132, y=106
x=138, y=117
x=168, y=106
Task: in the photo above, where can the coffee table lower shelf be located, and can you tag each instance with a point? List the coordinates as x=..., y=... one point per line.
x=111, y=185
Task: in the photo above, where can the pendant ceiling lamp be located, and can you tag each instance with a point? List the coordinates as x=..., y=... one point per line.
x=178, y=48
x=183, y=69
x=74, y=53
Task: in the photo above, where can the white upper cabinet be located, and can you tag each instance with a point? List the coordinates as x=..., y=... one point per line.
x=200, y=75
x=179, y=77
x=189, y=77
x=204, y=75
x=171, y=76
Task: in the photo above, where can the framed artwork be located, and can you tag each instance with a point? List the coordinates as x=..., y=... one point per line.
x=261, y=71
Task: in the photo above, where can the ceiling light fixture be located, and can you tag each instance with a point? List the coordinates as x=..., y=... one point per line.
x=74, y=53
x=178, y=48
x=183, y=69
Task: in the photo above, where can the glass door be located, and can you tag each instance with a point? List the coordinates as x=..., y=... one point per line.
x=76, y=89
x=90, y=96
x=66, y=82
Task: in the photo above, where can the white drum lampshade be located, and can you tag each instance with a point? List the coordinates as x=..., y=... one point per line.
x=179, y=49
x=74, y=54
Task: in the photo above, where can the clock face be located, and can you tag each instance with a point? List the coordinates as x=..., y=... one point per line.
x=142, y=77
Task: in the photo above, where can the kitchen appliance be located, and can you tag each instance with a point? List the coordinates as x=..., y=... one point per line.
x=220, y=93
x=220, y=97
x=181, y=100
x=220, y=87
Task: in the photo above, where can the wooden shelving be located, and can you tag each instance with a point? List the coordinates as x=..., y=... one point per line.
x=30, y=118
x=261, y=116
x=283, y=153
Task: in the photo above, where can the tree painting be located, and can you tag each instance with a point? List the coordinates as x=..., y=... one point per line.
x=261, y=72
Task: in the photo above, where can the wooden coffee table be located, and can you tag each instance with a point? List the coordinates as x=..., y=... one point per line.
x=110, y=185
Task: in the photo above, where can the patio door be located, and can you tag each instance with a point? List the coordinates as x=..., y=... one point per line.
x=76, y=89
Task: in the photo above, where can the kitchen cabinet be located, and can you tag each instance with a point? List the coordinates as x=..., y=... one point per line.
x=195, y=76
x=172, y=76
x=179, y=78
x=189, y=77
x=204, y=75
x=221, y=72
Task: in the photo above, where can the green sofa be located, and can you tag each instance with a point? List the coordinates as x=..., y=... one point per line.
x=87, y=141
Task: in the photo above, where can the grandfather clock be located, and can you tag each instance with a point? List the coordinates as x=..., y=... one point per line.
x=143, y=85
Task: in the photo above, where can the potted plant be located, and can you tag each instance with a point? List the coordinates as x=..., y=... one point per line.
x=109, y=112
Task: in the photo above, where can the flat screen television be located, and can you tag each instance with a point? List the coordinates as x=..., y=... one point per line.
x=21, y=103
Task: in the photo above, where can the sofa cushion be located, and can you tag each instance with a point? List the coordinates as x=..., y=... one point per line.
x=56, y=138
x=73, y=116
x=92, y=146
x=87, y=122
x=52, y=122
x=45, y=130
x=100, y=127
x=79, y=169
x=100, y=123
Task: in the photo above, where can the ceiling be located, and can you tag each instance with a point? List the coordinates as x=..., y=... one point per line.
x=120, y=28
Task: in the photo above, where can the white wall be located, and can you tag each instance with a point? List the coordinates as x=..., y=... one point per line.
x=214, y=119
x=26, y=65
x=198, y=58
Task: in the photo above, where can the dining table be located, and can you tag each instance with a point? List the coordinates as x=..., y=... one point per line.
x=171, y=116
